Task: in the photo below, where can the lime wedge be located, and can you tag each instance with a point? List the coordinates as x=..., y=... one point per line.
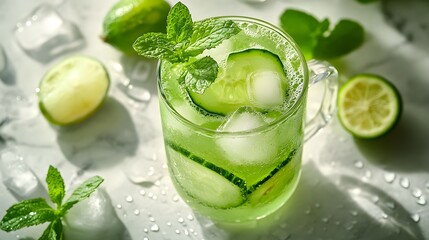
x=72, y=90
x=368, y=106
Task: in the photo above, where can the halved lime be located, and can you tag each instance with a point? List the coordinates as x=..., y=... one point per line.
x=368, y=106
x=72, y=90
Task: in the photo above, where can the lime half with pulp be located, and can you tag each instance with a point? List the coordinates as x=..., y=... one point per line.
x=72, y=90
x=368, y=106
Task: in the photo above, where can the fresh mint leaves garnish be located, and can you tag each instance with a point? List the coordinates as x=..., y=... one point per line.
x=315, y=38
x=184, y=41
x=37, y=211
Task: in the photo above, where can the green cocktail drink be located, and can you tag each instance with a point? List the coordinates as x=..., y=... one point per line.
x=234, y=151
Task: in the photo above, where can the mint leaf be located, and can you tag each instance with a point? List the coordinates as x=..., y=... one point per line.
x=200, y=74
x=81, y=192
x=210, y=33
x=314, y=38
x=53, y=232
x=346, y=37
x=155, y=45
x=55, y=185
x=303, y=28
x=27, y=213
x=179, y=23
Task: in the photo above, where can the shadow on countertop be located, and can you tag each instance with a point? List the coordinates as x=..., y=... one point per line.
x=103, y=140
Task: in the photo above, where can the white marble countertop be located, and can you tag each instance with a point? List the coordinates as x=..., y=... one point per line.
x=350, y=189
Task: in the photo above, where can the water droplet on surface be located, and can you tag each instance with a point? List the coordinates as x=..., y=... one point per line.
x=145, y=238
x=129, y=199
x=175, y=198
x=150, y=195
x=186, y=232
x=118, y=206
x=152, y=219
x=180, y=220
x=136, y=212
x=168, y=223
x=415, y=217
x=421, y=200
x=190, y=217
x=358, y=164
x=145, y=230
x=417, y=192
x=404, y=182
x=389, y=177
x=177, y=231
x=154, y=228
x=142, y=192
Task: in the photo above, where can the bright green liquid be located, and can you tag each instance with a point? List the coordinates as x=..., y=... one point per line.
x=267, y=181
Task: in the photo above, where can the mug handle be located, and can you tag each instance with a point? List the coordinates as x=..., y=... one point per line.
x=322, y=71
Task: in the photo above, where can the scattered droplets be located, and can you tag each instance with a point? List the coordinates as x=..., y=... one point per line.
x=389, y=177
x=358, y=164
x=154, y=228
x=118, y=206
x=180, y=220
x=417, y=192
x=142, y=192
x=404, y=182
x=190, y=217
x=421, y=200
x=415, y=217
x=136, y=212
x=129, y=199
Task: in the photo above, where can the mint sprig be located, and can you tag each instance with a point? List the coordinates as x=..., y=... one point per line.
x=184, y=41
x=317, y=40
x=37, y=211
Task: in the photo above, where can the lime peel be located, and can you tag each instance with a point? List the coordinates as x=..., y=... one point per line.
x=369, y=106
x=73, y=90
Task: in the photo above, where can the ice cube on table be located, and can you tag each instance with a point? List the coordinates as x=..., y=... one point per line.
x=44, y=34
x=250, y=148
x=94, y=218
x=16, y=175
x=266, y=89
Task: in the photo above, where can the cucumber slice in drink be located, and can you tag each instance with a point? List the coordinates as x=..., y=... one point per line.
x=368, y=106
x=254, y=78
x=205, y=182
x=72, y=90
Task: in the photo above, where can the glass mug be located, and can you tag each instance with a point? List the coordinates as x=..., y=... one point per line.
x=243, y=174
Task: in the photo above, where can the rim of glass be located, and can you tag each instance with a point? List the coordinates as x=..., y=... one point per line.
x=262, y=128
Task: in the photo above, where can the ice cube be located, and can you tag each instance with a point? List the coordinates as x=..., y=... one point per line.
x=94, y=218
x=15, y=106
x=251, y=148
x=17, y=176
x=266, y=89
x=44, y=34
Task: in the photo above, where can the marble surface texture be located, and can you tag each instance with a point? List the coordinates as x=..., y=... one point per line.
x=350, y=189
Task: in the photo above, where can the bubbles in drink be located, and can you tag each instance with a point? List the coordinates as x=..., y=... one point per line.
x=45, y=34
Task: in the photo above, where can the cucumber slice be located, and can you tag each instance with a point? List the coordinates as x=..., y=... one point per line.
x=72, y=90
x=254, y=78
x=205, y=182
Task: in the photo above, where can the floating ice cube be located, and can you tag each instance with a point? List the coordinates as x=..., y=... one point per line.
x=94, y=218
x=251, y=148
x=17, y=176
x=266, y=89
x=44, y=34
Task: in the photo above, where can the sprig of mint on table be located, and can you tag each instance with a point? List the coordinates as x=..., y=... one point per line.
x=315, y=38
x=37, y=211
x=184, y=41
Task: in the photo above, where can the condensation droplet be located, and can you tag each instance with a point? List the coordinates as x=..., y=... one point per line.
x=150, y=195
x=180, y=220
x=177, y=231
x=358, y=164
x=389, y=177
x=142, y=192
x=118, y=206
x=146, y=230
x=152, y=219
x=175, y=198
x=390, y=205
x=136, y=212
x=145, y=238
x=421, y=200
x=190, y=217
x=154, y=228
x=384, y=215
x=417, y=192
x=169, y=224
x=186, y=232
x=415, y=217
x=404, y=182
x=129, y=199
